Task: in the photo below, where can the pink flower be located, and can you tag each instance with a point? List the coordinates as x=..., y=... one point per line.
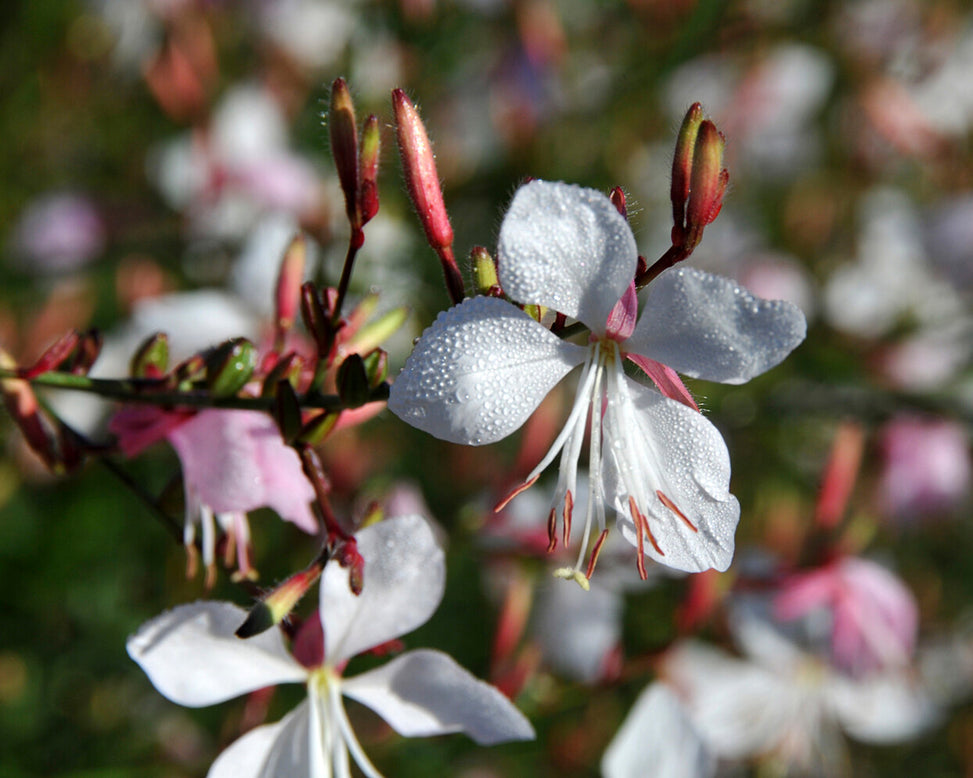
x=873, y=616
x=232, y=463
x=927, y=466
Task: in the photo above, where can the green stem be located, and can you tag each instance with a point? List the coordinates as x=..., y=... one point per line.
x=144, y=391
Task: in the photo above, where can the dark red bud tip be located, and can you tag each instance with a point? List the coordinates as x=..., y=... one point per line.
x=617, y=196
x=421, y=178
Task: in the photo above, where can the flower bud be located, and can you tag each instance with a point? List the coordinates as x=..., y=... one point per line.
x=288, y=369
x=316, y=320
x=485, y=277
x=54, y=355
x=229, y=366
x=352, y=382
x=87, y=351
x=318, y=428
x=707, y=184
x=682, y=167
x=422, y=181
x=152, y=358
x=287, y=411
x=344, y=146
x=276, y=606
x=371, y=143
x=289, y=280
x=377, y=331
x=617, y=197
x=376, y=364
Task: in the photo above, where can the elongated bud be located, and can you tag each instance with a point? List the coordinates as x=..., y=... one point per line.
x=229, y=366
x=87, y=351
x=485, y=277
x=376, y=363
x=840, y=475
x=707, y=184
x=682, y=168
x=318, y=428
x=54, y=355
x=377, y=331
x=422, y=181
x=344, y=146
x=289, y=279
x=151, y=360
x=287, y=411
x=276, y=606
x=316, y=319
x=371, y=144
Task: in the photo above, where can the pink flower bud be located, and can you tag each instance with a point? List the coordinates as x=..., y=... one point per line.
x=707, y=183
x=289, y=280
x=682, y=167
x=422, y=181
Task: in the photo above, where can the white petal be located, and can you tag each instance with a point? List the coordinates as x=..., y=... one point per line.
x=193, y=657
x=739, y=709
x=479, y=371
x=567, y=248
x=884, y=708
x=272, y=751
x=675, y=450
x=405, y=574
x=577, y=629
x=657, y=732
x=425, y=693
x=706, y=326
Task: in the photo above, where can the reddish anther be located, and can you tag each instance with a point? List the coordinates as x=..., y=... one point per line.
x=674, y=508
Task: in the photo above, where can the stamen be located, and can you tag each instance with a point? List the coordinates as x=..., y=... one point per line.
x=641, y=531
x=551, y=530
x=522, y=488
x=593, y=559
x=568, y=511
x=672, y=507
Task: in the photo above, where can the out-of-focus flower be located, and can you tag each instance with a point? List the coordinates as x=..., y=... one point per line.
x=224, y=178
x=870, y=614
x=312, y=32
x=927, y=466
x=232, y=462
x=789, y=707
x=657, y=732
x=57, y=232
x=193, y=657
x=484, y=366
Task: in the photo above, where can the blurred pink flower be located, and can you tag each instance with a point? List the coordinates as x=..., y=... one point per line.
x=927, y=466
x=233, y=462
x=873, y=616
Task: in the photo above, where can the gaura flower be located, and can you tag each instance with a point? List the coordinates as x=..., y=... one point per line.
x=233, y=462
x=483, y=367
x=192, y=656
x=789, y=707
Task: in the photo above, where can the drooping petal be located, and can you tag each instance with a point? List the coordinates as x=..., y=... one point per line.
x=567, y=248
x=657, y=732
x=658, y=450
x=706, y=326
x=279, y=749
x=193, y=657
x=237, y=461
x=479, y=371
x=426, y=693
x=405, y=574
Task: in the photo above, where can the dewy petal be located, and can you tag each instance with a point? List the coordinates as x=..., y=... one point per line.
x=567, y=248
x=479, y=371
x=654, y=444
x=426, y=693
x=706, y=326
x=237, y=461
x=193, y=657
x=405, y=574
x=272, y=751
x=657, y=731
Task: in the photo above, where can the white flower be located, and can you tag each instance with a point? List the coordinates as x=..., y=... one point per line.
x=483, y=367
x=657, y=732
x=192, y=656
x=789, y=706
